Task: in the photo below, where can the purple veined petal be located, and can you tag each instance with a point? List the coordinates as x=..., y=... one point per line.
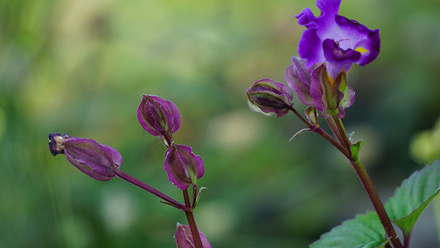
x=308, y=48
x=184, y=238
x=370, y=44
x=174, y=116
x=316, y=89
x=307, y=19
x=328, y=8
x=96, y=160
x=146, y=119
x=359, y=38
x=348, y=96
x=338, y=60
x=157, y=116
x=182, y=166
x=299, y=79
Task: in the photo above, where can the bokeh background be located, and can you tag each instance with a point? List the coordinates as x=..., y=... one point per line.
x=80, y=67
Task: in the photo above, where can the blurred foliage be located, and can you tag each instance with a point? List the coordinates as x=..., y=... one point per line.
x=425, y=148
x=80, y=67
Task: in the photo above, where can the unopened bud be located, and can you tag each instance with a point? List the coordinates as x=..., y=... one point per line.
x=157, y=116
x=184, y=237
x=182, y=166
x=96, y=160
x=268, y=97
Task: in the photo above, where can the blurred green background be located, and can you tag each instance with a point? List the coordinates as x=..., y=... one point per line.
x=80, y=67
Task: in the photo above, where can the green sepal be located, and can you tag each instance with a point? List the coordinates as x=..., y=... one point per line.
x=330, y=96
x=364, y=231
x=256, y=109
x=355, y=148
x=312, y=116
x=413, y=196
x=199, y=193
x=348, y=98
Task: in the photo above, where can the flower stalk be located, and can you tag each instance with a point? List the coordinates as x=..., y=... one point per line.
x=366, y=182
x=191, y=221
x=344, y=146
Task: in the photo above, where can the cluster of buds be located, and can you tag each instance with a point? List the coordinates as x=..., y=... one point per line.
x=161, y=118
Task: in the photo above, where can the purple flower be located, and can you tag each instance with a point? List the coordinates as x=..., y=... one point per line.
x=184, y=238
x=268, y=97
x=157, y=116
x=314, y=88
x=96, y=160
x=336, y=40
x=182, y=166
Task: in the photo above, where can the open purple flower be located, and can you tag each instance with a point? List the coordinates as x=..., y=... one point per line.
x=157, y=116
x=336, y=40
x=96, y=160
x=184, y=238
x=182, y=166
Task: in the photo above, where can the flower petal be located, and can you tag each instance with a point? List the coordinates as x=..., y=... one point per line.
x=309, y=47
x=298, y=78
x=338, y=60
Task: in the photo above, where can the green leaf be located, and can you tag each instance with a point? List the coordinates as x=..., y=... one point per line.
x=413, y=196
x=364, y=231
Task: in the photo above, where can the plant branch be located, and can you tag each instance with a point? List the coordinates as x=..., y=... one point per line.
x=324, y=134
x=191, y=221
x=377, y=203
x=150, y=189
x=369, y=187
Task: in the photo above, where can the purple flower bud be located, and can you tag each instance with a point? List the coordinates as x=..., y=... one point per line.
x=182, y=166
x=184, y=238
x=96, y=160
x=267, y=97
x=157, y=116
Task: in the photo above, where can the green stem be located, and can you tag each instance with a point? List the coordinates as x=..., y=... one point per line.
x=191, y=220
x=377, y=203
x=369, y=188
x=344, y=146
x=331, y=122
x=345, y=140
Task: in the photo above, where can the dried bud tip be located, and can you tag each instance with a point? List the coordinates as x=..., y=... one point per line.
x=56, y=143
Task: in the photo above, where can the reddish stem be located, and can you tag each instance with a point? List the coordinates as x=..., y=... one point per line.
x=191, y=220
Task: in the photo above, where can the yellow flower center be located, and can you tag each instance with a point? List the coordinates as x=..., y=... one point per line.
x=361, y=50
